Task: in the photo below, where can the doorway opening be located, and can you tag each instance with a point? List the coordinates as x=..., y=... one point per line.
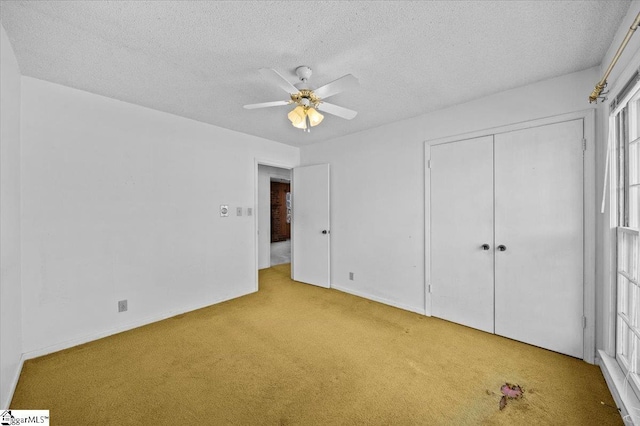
x=280, y=221
x=274, y=216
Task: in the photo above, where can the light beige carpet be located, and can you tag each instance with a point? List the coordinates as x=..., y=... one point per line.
x=294, y=354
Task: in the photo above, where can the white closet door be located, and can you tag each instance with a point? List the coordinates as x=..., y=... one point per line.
x=461, y=222
x=539, y=220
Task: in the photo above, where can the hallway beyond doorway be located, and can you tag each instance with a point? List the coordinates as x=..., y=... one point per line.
x=281, y=252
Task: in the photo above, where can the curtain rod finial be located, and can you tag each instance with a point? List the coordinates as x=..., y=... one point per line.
x=596, y=92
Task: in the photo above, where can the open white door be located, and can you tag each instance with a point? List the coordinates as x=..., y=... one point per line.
x=310, y=225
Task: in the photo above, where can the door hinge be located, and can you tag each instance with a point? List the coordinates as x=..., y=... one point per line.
x=584, y=322
x=429, y=288
x=428, y=164
x=584, y=144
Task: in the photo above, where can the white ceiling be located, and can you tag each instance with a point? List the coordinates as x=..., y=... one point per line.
x=200, y=59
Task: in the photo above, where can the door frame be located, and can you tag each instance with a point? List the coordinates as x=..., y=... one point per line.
x=589, y=209
x=256, y=185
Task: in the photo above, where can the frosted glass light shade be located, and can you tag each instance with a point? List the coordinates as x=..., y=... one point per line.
x=296, y=116
x=315, y=117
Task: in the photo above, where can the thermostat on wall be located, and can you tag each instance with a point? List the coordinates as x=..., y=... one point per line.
x=224, y=210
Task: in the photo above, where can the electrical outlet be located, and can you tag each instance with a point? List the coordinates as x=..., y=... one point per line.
x=238, y=211
x=249, y=211
x=122, y=306
x=351, y=276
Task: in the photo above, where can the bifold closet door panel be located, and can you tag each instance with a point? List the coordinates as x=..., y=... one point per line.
x=539, y=222
x=461, y=222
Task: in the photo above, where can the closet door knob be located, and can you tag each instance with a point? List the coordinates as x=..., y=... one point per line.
x=485, y=247
x=502, y=247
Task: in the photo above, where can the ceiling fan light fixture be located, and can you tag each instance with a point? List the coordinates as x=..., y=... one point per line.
x=297, y=117
x=315, y=117
x=302, y=125
x=303, y=117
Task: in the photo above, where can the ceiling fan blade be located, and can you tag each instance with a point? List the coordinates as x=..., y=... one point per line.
x=336, y=110
x=274, y=77
x=336, y=86
x=267, y=104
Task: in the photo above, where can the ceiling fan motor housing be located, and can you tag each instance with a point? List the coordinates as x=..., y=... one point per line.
x=306, y=98
x=303, y=72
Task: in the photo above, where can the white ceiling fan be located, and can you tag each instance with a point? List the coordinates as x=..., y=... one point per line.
x=308, y=100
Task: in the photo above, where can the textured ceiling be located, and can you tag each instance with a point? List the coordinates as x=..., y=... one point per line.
x=201, y=59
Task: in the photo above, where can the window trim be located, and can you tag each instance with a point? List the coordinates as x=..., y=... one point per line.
x=627, y=401
x=627, y=364
x=626, y=125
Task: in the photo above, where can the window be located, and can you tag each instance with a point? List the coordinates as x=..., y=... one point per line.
x=627, y=197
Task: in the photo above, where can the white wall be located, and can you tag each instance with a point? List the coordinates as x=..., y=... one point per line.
x=10, y=293
x=377, y=184
x=122, y=202
x=265, y=173
x=628, y=63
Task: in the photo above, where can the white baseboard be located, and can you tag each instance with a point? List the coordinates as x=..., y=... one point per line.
x=14, y=384
x=625, y=398
x=379, y=299
x=130, y=326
